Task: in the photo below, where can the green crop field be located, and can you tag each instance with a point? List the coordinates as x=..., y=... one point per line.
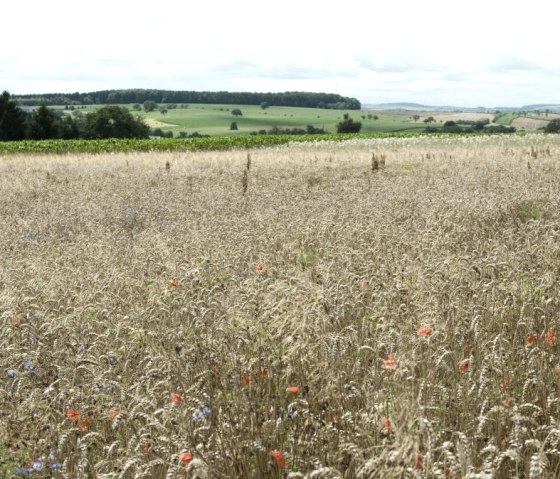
x=215, y=120
x=505, y=118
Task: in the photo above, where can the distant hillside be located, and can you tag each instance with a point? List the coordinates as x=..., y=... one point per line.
x=552, y=108
x=290, y=98
x=420, y=107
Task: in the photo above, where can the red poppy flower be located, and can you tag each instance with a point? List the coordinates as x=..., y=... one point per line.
x=532, y=339
x=279, y=458
x=73, y=414
x=550, y=337
x=465, y=366
x=185, y=458
x=85, y=424
x=173, y=282
x=390, y=362
x=387, y=424
x=293, y=389
x=425, y=331
x=177, y=399
x=418, y=460
x=247, y=380
x=259, y=268
x=113, y=412
x=264, y=373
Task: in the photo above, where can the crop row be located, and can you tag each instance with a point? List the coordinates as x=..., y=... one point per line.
x=168, y=144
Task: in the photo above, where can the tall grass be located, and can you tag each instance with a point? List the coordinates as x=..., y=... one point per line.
x=158, y=319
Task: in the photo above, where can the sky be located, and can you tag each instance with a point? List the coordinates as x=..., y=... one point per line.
x=470, y=53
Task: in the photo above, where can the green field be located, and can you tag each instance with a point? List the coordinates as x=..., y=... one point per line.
x=215, y=120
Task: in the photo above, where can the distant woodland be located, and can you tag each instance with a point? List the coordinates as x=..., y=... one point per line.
x=116, y=97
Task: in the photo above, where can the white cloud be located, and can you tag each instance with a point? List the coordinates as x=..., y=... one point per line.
x=473, y=53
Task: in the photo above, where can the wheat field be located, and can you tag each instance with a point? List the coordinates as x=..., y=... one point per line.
x=369, y=309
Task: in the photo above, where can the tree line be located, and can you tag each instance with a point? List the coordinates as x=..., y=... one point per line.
x=118, y=97
x=44, y=123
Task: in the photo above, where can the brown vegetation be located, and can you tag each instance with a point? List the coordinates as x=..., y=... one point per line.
x=160, y=316
x=524, y=123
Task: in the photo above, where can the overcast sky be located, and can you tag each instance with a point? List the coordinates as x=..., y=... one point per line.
x=438, y=52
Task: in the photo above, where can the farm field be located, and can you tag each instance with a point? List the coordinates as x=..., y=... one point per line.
x=215, y=120
x=524, y=123
x=384, y=308
x=458, y=116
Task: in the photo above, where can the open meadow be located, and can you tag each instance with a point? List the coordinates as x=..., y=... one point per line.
x=215, y=119
x=384, y=308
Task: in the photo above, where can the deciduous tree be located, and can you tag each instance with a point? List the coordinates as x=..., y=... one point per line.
x=348, y=125
x=114, y=122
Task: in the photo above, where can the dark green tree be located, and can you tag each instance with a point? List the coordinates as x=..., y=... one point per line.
x=553, y=126
x=43, y=124
x=452, y=127
x=114, y=122
x=68, y=127
x=12, y=119
x=264, y=105
x=150, y=105
x=348, y=125
x=233, y=126
x=236, y=112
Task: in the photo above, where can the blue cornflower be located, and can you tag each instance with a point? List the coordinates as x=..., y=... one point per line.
x=112, y=360
x=56, y=465
x=197, y=416
x=38, y=465
x=28, y=364
x=292, y=415
x=105, y=389
x=81, y=348
x=11, y=373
